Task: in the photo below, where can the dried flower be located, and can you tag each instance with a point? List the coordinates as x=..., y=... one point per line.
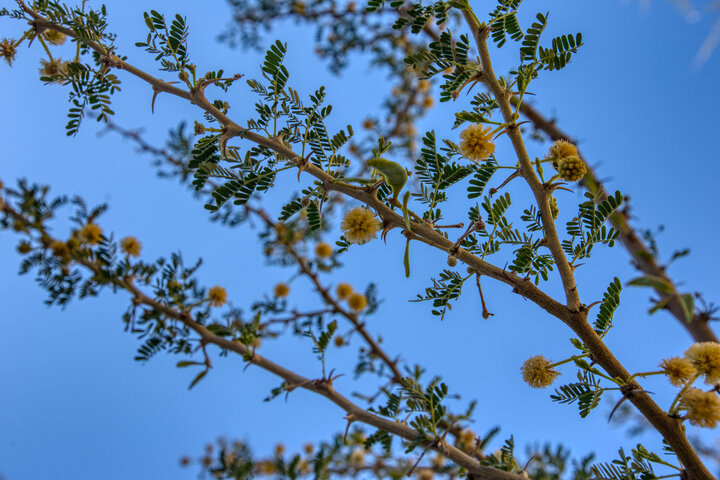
x=451, y=261
x=425, y=474
x=323, y=250
x=281, y=290
x=24, y=247
x=357, y=302
x=309, y=448
x=130, y=246
x=537, y=373
x=571, y=169
x=91, y=233
x=54, y=37
x=368, y=124
x=199, y=128
x=339, y=341
x=51, y=68
x=8, y=50
x=344, y=290
x=467, y=438
x=217, y=296
x=279, y=449
x=705, y=357
x=477, y=143
x=703, y=408
x=678, y=370
x=360, y=225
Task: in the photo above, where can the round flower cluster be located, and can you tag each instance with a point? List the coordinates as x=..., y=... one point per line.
x=537, y=372
x=360, y=225
x=703, y=408
x=8, y=50
x=217, y=296
x=678, y=370
x=705, y=358
x=323, y=250
x=476, y=142
x=566, y=160
x=91, y=233
x=130, y=246
x=281, y=290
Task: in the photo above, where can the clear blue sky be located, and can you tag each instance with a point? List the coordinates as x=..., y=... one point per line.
x=75, y=404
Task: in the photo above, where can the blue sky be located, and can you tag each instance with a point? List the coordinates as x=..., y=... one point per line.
x=75, y=403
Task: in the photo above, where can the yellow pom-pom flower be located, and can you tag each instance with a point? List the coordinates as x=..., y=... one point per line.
x=91, y=233
x=703, y=408
x=705, y=357
x=344, y=290
x=571, y=169
x=678, y=370
x=537, y=372
x=476, y=142
x=217, y=296
x=562, y=149
x=360, y=225
x=281, y=290
x=130, y=246
x=59, y=249
x=357, y=302
x=323, y=250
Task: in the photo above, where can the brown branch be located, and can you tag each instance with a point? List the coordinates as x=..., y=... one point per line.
x=670, y=428
x=698, y=326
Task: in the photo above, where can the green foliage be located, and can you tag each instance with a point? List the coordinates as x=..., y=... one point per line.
x=480, y=179
x=588, y=227
x=610, y=302
x=167, y=43
x=637, y=466
x=586, y=393
x=504, y=22
x=444, y=290
x=436, y=172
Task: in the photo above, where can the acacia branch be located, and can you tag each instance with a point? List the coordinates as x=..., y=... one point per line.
x=670, y=428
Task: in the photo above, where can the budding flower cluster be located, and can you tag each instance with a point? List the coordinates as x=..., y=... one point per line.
x=566, y=160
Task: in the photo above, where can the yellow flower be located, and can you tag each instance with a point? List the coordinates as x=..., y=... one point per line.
x=54, y=37
x=344, y=290
x=360, y=225
x=91, y=233
x=425, y=474
x=703, y=408
x=357, y=302
x=368, y=124
x=537, y=373
x=427, y=103
x=130, y=246
x=571, y=169
x=8, y=50
x=266, y=467
x=678, y=370
x=217, y=296
x=323, y=250
x=705, y=357
x=309, y=448
x=279, y=449
x=339, y=341
x=562, y=149
x=281, y=290
x=59, y=249
x=357, y=458
x=477, y=143
x=466, y=439
x=424, y=86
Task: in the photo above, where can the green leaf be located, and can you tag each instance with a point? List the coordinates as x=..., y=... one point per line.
x=658, y=283
x=197, y=378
